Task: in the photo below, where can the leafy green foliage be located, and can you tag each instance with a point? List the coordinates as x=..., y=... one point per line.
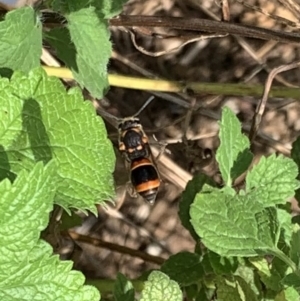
x=233, y=226
x=40, y=122
x=284, y=218
x=270, y=276
x=288, y=294
x=88, y=64
x=293, y=280
x=28, y=270
x=69, y=220
x=20, y=40
x=203, y=296
x=105, y=8
x=234, y=288
x=108, y=8
x=221, y=265
x=246, y=272
x=185, y=268
x=233, y=155
x=295, y=246
x=123, y=289
x=60, y=40
x=159, y=287
x=295, y=154
x=84, y=44
x=27, y=204
x=91, y=62
x=246, y=223
x=191, y=291
x=193, y=187
x=272, y=180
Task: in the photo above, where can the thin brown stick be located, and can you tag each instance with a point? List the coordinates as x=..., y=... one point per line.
x=271, y=16
x=262, y=104
x=225, y=10
x=113, y=247
x=184, y=43
x=204, y=25
x=292, y=6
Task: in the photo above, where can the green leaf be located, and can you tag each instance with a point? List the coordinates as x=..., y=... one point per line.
x=67, y=6
x=270, y=275
x=40, y=276
x=272, y=180
x=295, y=245
x=207, y=264
x=202, y=295
x=293, y=280
x=296, y=219
x=60, y=40
x=250, y=276
x=69, y=221
x=222, y=265
x=159, y=287
x=109, y=8
x=245, y=289
x=25, y=207
x=84, y=44
x=28, y=269
x=20, y=40
x=234, y=288
x=295, y=154
x=191, y=291
x=123, y=289
x=106, y=9
x=289, y=294
x=284, y=218
x=91, y=39
x=192, y=188
x=227, y=289
x=233, y=154
x=185, y=268
x=40, y=122
x=234, y=226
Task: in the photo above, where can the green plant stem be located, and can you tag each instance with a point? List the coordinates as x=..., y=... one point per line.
x=139, y=83
x=206, y=88
x=279, y=254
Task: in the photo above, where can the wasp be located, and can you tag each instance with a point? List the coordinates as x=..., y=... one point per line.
x=134, y=146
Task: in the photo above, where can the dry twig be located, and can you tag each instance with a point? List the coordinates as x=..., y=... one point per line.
x=262, y=104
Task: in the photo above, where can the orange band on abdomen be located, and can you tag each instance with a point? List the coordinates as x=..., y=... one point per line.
x=148, y=185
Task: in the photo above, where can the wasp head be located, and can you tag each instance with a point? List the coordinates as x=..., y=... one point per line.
x=129, y=123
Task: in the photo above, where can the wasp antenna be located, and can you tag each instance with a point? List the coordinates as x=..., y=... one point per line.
x=144, y=106
x=103, y=113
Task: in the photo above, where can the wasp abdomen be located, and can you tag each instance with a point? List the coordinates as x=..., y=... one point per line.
x=145, y=179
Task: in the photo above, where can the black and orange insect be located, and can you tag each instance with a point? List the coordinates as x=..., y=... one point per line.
x=134, y=146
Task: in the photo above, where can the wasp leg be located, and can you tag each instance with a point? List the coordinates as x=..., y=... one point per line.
x=131, y=191
x=163, y=146
x=161, y=151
